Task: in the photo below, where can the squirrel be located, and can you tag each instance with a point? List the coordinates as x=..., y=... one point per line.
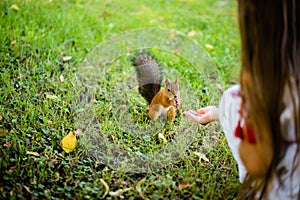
x=161, y=101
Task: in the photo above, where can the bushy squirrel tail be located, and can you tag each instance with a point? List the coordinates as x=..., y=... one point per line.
x=148, y=74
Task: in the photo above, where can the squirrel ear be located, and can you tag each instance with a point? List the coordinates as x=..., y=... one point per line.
x=176, y=81
x=167, y=82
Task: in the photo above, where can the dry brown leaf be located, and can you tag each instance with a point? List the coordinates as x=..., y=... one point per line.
x=106, y=187
x=105, y=13
x=77, y=133
x=3, y=132
x=185, y=184
x=177, y=51
x=172, y=36
x=33, y=153
x=68, y=143
x=7, y=144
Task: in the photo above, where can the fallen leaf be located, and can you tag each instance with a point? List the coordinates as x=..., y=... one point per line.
x=62, y=78
x=50, y=96
x=113, y=138
x=66, y=58
x=192, y=34
x=201, y=156
x=3, y=132
x=106, y=187
x=185, y=184
x=172, y=36
x=119, y=192
x=13, y=42
x=14, y=7
x=139, y=188
x=176, y=51
x=232, y=14
x=56, y=177
x=68, y=143
x=105, y=13
x=220, y=87
x=209, y=47
x=7, y=144
x=161, y=136
x=77, y=133
x=27, y=189
x=32, y=153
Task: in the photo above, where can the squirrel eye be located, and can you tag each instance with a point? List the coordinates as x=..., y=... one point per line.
x=169, y=90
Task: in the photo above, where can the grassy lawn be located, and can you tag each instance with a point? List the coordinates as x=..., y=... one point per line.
x=65, y=66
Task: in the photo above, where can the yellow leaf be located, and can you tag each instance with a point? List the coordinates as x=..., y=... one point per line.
x=139, y=188
x=56, y=177
x=13, y=42
x=32, y=153
x=68, y=143
x=209, y=47
x=161, y=136
x=50, y=96
x=106, y=187
x=113, y=138
x=14, y=7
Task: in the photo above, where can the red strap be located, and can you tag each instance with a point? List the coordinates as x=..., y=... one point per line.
x=239, y=133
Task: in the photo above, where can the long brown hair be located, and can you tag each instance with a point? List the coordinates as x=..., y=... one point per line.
x=270, y=40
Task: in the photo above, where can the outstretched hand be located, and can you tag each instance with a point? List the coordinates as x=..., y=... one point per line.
x=203, y=115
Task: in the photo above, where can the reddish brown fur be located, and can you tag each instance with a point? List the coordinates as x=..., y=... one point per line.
x=166, y=98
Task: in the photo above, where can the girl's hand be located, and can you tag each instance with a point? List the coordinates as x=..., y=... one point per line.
x=203, y=115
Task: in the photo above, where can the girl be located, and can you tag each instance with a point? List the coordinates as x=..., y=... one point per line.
x=261, y=117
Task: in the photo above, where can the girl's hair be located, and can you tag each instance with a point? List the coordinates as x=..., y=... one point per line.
x=270, y=40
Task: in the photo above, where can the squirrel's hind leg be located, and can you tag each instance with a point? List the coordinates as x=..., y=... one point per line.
x=171, y=114
x=154, y=112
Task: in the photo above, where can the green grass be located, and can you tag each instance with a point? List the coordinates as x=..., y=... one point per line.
x=33, y=39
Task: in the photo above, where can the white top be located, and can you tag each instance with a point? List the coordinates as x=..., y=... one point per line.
x=229, y=116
